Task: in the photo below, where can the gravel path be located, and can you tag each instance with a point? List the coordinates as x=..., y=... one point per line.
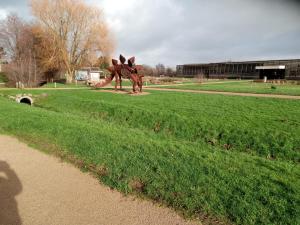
x=226, y=93
x=36, y=188
x=165, y=88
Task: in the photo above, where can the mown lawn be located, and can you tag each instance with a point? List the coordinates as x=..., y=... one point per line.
x=245, y=87
x=233, y=158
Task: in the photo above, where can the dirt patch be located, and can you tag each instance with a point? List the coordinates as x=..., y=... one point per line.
x=36, y=188
x=124, y=92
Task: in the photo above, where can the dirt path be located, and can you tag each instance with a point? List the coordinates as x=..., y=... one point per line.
x=36, y=188
x=155, y=88
x=124, y=92
x=112, y=86
x=227, y=93
x=187, y=84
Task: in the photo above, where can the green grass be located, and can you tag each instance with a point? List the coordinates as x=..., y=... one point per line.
x=245, y=87
x=194, y=118
x=235, y=158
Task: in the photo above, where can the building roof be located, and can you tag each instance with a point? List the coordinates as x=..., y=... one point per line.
x=274, y=61
x=272, y=67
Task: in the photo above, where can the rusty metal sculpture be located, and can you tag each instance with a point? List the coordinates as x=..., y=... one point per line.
x=122, y=70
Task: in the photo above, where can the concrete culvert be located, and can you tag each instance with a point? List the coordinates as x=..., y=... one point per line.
x=26, y=100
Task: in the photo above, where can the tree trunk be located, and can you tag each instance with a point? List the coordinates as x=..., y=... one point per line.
x=70, y=76
x=69, y=79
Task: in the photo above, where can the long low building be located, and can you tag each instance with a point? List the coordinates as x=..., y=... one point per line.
x=272, y=69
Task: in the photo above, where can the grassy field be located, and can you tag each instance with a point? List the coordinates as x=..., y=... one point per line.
x=233, y=158
x=244, y=87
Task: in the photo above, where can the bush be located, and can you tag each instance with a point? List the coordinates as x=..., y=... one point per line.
x=3, y=78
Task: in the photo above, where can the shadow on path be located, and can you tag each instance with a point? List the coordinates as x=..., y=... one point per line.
x=10, y=186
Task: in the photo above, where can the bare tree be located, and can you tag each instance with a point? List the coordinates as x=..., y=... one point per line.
x=48, y=58
x=77, y=32
x=161, y=69
x=148, y=71
x=17, y=40
x=10, y=34
x=2, y=53
x=170, y=72
x=102, y=62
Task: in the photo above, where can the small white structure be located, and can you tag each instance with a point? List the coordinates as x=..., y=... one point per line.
x=95, y=76
x=90, y=75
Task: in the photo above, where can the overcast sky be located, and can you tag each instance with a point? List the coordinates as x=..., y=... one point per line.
x=194, y=31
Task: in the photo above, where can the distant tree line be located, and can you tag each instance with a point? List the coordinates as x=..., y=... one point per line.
x=64, y=36
x=158, y=70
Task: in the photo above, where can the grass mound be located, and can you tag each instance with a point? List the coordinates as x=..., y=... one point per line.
x=267, y=128
x=171, y=161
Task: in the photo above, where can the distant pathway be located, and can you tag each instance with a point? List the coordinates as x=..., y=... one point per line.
x=165, y=88
x=226, y=93
x=36, y=188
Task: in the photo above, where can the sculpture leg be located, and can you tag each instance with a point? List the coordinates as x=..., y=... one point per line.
x=120, y=83
x=116, y=83
x=141, y=83
x=134, y=86
x=135, y=82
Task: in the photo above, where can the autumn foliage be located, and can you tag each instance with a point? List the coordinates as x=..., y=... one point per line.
x=77, y=33
x=64, y=36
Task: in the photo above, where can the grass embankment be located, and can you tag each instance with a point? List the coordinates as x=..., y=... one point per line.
x=245, y=87
x=171, y=145
x=264, y=127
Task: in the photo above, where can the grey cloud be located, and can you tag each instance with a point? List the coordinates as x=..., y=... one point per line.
x=206, y=31
x=19, y=7
x=176, y=32
x=11, y=3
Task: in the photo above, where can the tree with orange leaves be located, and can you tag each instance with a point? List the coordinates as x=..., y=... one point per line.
x=72, y=34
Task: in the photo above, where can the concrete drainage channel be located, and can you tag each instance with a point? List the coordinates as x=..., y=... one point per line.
x=27, y=99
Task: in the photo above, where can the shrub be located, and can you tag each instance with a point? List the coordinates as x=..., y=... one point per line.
x=3, y=78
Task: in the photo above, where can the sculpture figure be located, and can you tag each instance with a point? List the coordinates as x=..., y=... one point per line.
x=122, y=70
